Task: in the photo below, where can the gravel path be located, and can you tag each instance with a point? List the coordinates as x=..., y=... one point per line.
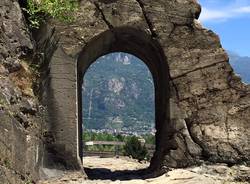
x=112, y=171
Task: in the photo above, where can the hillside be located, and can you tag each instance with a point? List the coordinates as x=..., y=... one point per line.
x=118, y=94
x=241, y=66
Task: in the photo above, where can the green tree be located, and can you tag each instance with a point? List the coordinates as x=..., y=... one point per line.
x=134, y=148
x=149, y=138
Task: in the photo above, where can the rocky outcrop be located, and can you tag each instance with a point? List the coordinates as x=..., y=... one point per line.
x=202, y=108
x=20, y=114
x=208, y=104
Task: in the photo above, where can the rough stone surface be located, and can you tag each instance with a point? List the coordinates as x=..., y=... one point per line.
x=204, y=114
x=202, y=107
x=20, y=122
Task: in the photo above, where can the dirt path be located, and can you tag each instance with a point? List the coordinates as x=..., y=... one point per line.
x=111, y=171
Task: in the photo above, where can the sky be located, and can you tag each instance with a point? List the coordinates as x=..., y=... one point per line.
x=230, y=19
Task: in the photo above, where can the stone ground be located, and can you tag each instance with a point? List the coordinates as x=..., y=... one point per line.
x=118, y=171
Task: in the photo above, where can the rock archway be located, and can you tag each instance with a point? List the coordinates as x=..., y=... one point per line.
x=202, y=107
x=140, y=44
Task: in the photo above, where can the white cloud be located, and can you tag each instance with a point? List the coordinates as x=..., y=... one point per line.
x=223, y=14
x=214, y=15
x=245, y=9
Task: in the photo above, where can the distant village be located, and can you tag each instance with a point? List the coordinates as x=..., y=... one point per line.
x=145, y=130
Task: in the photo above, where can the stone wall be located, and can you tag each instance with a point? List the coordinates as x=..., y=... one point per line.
x=208, y=104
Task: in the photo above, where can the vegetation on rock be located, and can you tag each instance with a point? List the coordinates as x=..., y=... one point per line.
x=62, y=10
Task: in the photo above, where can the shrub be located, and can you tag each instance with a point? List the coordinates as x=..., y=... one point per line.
x=37, y=10
x=134, y=148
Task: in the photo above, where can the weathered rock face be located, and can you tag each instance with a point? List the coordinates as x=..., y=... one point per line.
x=205, y=111
x=202, y=108
x=20, y=125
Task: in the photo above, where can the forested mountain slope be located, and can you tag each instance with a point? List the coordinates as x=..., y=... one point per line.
x=118, y=93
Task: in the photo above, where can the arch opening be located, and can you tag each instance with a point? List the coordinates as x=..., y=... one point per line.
x=141, y=45
x=118, y=107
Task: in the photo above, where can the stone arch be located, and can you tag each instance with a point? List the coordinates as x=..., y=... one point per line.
x=204, y=103
x=140, y=44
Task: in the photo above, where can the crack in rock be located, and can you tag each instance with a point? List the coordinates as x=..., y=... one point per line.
x=148, y=21
x=110, y=26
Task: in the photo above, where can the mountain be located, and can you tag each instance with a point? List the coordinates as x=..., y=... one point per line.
x=118, y=93
x=241, y=66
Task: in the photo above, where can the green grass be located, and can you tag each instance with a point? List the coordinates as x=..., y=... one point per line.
x=62, y=10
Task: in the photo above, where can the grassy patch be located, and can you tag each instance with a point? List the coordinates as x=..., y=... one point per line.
x=38, y=10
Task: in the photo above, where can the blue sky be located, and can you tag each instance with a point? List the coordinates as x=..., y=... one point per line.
x=230, y=19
